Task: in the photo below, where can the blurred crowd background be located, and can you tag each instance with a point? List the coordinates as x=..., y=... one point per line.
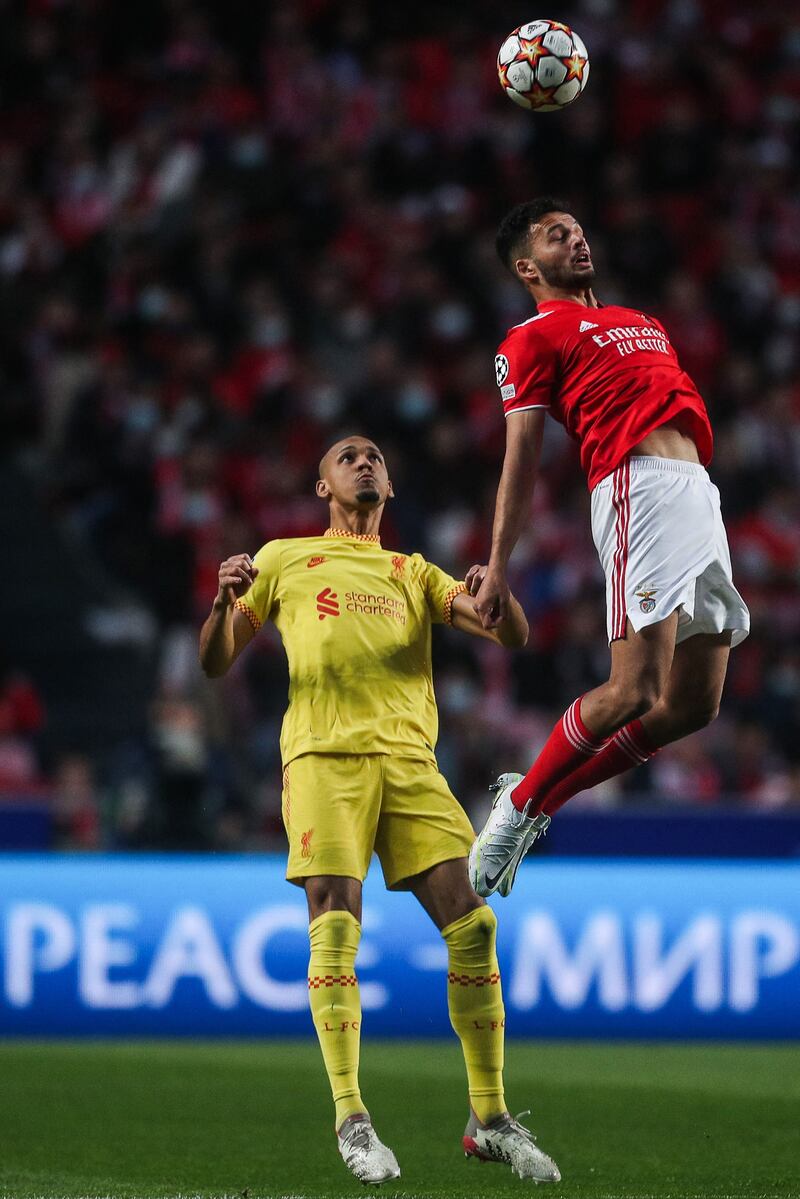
x=231, y=233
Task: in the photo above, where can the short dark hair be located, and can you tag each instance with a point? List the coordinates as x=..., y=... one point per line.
x=515, y=225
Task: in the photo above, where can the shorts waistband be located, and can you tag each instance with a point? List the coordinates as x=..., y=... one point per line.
x=671, y=466
x=665, y=466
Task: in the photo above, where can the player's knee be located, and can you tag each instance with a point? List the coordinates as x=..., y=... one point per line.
x=701, y=714
x=636, y=698
x=331, y=894
x=680, y=719
x=479, y=929
x=641, y=702
x=485, y=923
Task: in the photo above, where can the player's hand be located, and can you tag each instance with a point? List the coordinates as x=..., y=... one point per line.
x=492, y=598
x=236, y=576
x=474, y=577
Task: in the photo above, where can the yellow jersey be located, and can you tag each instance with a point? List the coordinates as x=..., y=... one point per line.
x=355, y=620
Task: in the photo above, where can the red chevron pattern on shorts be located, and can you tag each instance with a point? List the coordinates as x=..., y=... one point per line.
x=330, y=980
x=473, y=980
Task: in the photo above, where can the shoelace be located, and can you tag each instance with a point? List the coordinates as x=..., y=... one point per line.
x=497, y=787
x=357, y=1136
x=506, y=842
x=504, y=845
x=512, y=1124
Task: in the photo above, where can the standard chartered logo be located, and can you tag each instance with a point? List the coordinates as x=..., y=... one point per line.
x=368, y=604
x=364, y=603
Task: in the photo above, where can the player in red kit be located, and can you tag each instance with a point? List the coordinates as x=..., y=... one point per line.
x=612, y=378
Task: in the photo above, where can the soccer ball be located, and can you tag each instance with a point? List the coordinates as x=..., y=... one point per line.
x=543, y=66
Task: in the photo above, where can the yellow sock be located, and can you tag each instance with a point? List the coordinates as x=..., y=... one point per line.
x=475, y=1002
x=336, y=1005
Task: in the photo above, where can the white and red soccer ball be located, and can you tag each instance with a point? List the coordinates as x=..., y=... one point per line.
x=543, y=66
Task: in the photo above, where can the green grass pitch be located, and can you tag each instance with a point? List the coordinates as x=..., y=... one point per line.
x=158, y=1119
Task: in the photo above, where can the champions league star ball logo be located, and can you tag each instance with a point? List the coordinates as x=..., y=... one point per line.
x=501, y=369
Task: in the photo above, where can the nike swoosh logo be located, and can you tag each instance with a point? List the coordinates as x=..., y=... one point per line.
x=491, y=883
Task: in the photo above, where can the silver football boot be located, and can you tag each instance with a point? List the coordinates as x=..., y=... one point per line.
x=364, y=1153
x=506, y=1140
x=503, y=841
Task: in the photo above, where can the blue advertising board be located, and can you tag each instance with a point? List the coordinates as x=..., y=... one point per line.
x=179, y=946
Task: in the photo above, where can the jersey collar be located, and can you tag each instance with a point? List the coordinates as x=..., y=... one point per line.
x=552, y=305
x=372, y=538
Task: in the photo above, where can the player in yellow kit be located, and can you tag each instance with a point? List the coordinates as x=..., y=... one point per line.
x=360, y=775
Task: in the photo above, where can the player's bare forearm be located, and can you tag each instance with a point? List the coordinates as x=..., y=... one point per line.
x=226, y=631
x=512, y=632
x=514, y=495
x=217, y=644
x=515, y=491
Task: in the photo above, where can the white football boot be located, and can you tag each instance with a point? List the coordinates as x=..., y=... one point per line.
x=506, y=1140
x=364, y=1153
x=503, y=841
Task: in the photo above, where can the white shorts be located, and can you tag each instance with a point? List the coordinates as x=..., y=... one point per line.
x=658, y=529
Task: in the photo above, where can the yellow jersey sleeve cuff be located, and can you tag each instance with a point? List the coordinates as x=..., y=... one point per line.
x=244, y=608
x=447, y=611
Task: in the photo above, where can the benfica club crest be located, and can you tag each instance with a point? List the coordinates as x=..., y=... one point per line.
x=645, y=598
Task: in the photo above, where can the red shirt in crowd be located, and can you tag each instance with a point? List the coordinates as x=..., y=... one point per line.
x=609, y=375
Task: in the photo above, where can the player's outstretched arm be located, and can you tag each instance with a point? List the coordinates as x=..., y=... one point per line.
x=227, y=631
x=513, y=506
x=511, y=632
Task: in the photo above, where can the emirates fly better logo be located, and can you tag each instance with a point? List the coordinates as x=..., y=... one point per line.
x=327, y=603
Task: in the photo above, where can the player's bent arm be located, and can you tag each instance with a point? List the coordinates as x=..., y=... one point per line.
x=222, y=638
x=524, y=432
x=227, y=631
x=512, y=632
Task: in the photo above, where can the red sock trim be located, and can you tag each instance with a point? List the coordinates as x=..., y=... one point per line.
x=633, y=740
x=569, y=745
x=629, y=747
x=576, y=732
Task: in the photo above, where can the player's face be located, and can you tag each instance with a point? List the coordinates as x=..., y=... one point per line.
x=560, y=252
x=354, y=472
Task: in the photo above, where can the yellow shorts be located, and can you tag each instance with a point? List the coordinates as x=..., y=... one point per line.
x=339, y=808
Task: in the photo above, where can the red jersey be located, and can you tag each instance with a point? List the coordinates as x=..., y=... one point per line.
x=609, y=375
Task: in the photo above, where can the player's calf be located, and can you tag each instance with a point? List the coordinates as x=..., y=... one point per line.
x=667, y=723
